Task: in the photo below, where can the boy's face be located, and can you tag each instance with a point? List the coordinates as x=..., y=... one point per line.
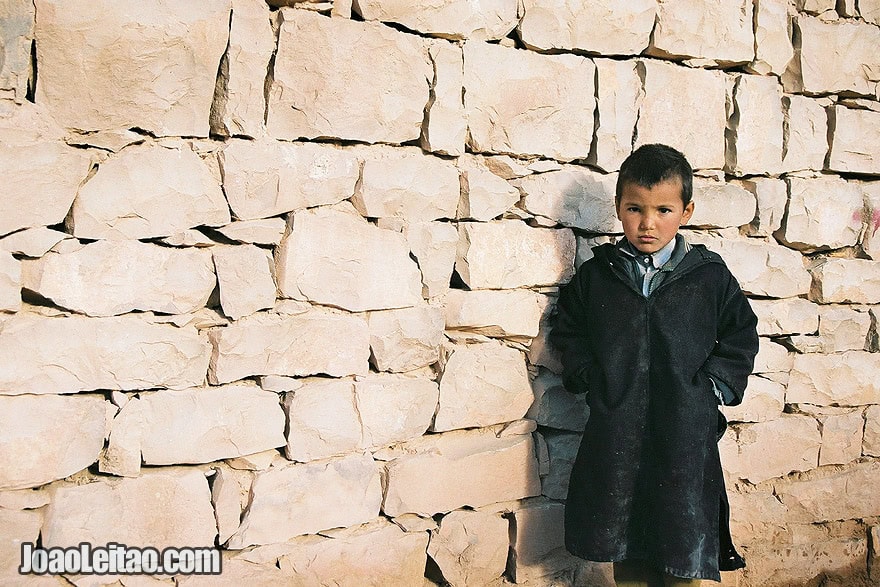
x=651, y=216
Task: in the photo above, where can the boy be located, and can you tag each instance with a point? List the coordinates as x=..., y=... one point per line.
x=658, y=333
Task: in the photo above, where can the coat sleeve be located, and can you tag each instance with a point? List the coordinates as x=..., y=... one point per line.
x=569, y=335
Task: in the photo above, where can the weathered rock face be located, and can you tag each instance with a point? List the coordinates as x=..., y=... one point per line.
x=852, y=491
x=484, y=195
x=773, y=48
x=452, y=19
x=470, y=548
x=871, y=235
x=846, y=379
x=434, y=245
x=17, y=526
x=796, y=440
x=722, y=33
x=445, y=127
x=554, y=407
x=764, y=401
x=618, y=98
x=406, y=339
x=846, y=281
x=806, y=141
x=574, y=197
x=322, y=420
x=840, y=329
x=771, y=196
x=497, y=313
x=784, y=317
x=871, y=442
x=10, y=283
x=258, y=232
x=754, y=139
x=855, y=142
x=245, y=277
x=16, y=36
x=720, y=204
x=822, y=213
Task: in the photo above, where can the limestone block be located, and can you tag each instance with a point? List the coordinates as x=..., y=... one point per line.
x=721, y=204
x=406, y=339
x=229, y=488
x=32, y=242
x=841, y=437
x=299, y=499
x=103, y=68
x=521, y=102
x=452, y=19
x=684, y=108
x=510, y=254
x=266, y=177
x=772, y=357
x=541, y=352
x=434, y=245
x=498, y=313
x=244, y=274
x=484, y=195
x=554, y=407
x=17, y=526
x=871, y=441
x=823, y=213
x=445, y=127
x=761, y=451
x=310, y=93
x=773, y=47
x=108, y=278
x=784, y=317
x=537, y=531
x=461, y=469
x=36, y=450
x=806, y=140
x=843, y=329
x=574, y=197
x=844, y=495
x=237, y=572
x=334, y=258
x=772, y=197
x=37, y=354
x=801, y=562
x=619, y=96
x=621, y=28
x=833, y=57
x=846, y=281
x=764, y=400
x=470, y=548
x=322, y=420
x=10, y=283
x=754, y=139
x=844, y=379
x=407, y=184
x=394, y=408
x=301, y=344
x=268, y=231
x=854, y=143
x=871, y=234
x=482, y=384
x=16, y=36
x=562, y=448
x=722, y=33
x=147, y=191
x=815, y=6
x=870, y=11
x=239, y=100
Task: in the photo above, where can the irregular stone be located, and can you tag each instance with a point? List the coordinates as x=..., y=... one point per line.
x=841, y=436
x=870, y=11
x=510, y=254
x=314, y=496
x=554, y=407
x=621, y=28
x=773, y=47
x=406, y=339
x=461, y=469
x=521, y=102
x=841, y=558
x=244, y=274
x=32, y=242
x=504, y=166
x=574, y=197
x=805, y=133
x=35, y=450
x=722, y=33
x=833, y=57
x=147, y=191
x=109, y=278
x=754, y=139
x=239, y=97
x=470, y=548
x=761, y=451
x=16, y=37
x=266, y=177
x=162, y=508
x=815, y=6
x=189, y=238
x=237, y=572
x=229, y=488
x=484, y=195
x=445, y=127
x=720, y=204
x=89, y=53
x=785, y=317
x=497, y=313
x=619, y=96
x=482, y=384
x=257, y=232
x=823, y=213
x=843, y=495
x=537, y=531
x=256, y=462
x=405, y=183
x=772, y=197
x=323, y=420
x=452, y=19
x=16, y=527
x=434, y=245
x=123, y=352
x=684, y=108
x=843, y=281
x=562, y=448
x=844, y=379
x=871, y=234
x=394, y=408
x=10, y=283
x=854, y=142
x=303, y=344
x=871, y=441
x=310, y=93
x=764, y=400
x=843, y=329
x=772, y=357
x=334, y=258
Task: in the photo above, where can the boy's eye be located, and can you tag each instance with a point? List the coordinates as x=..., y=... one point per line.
x=665, y=210
x=632, y=209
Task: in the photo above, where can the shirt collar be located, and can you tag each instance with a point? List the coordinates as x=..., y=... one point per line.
x=658, y=259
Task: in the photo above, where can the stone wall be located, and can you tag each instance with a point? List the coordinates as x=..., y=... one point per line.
x=278, y=277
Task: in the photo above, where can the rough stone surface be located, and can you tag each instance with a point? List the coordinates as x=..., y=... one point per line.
x=822, y=213
x=841, y=437
x=244, y=275
x=470, y=548
x=871, y=442
x=36, y=450
x=510, y=254
x=299, y=499
x=394, y=408
x=773, y=47
x=554, y=407
x=806, y=139
x=871, y=235
x=772, y=197
x=334, y=258
x=574, y=197
x=562, y=449
x=722, y=33
x=16, y=36
x=520, y=102
x=772, y=357
x=719, y=204
x=538, y=530
x=840, y=329
x=795, y=440
x=764, y=400
x=484, y=195
x=310, y=93
x=847, y=494
x=618, y=98
x=229, y=488
x=257, y=232
x=302, y=345
x=452, y=19
x=10, y=283
x=621, y=28
x=855, y=146
x=32, y=242
x=123, y=353
x=434, y=245
x=498, y=313
x=845, y=379
x=870, y=11
x=322, y=419
x=406, y=339
x=846, y=281
x=165, y=189
x=784, y=317
x=104, y=68
x=17, y=526
x=103, y=279
x=445, y=128
x=754, y=138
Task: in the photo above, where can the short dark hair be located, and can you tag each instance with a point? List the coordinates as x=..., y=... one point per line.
x=652, y=164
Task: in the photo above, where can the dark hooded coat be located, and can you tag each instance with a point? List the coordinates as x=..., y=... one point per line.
x=647, y=481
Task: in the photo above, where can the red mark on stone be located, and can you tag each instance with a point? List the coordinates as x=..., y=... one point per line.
x=875, y=219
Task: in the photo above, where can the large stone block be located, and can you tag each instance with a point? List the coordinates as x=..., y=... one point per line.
x=35, y=449
x=445, y=127
x=301, y=344
x=806, y=140
x=335, y=258
x=484, y=195
x=842, y=433
x=621, y=28
x=823, y=213
x=772, y=357
x=470, y=548
x=840, y=329
x=106, y=68
x=394, y=408
x=754, y=138
x=773, y=46
x=574, y=197
x=299, y=499
x=510, y=254
x=846, y=281
x=10, y=283
x=70, y=354
x=845, y=379
x=16, y=37
x=109, y=278
x=521, y=102
x=785, y=317
x=537, y=531
x=245, y=278
x=855, y=142
x=322, y=419
x=764, y=400
x=162, y=508
x=452, y=19
x=720, y=204
x=871, y=440
x=434, y=245
x=618, y=98
x=499, y=313
x=266, y=177
x=842, y=495
x=719, y=32
x=771, y=196
x=406, y=339
x=311, y=91
x=229, y=496
x=686, y=109
x=761, y=451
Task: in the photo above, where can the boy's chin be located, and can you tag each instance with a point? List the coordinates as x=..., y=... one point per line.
x=648, y=247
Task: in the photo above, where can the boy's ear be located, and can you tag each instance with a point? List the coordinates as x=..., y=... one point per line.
x=688, y=212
